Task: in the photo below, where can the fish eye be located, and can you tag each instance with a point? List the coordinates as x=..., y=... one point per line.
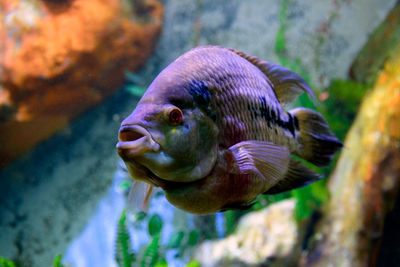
x=175, y=116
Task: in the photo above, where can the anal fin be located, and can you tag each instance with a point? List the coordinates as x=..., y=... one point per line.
x=297, y=175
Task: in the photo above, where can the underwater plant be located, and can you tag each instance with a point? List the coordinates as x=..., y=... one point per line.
x=123, y=252
x=8, y=263
x=152, y=254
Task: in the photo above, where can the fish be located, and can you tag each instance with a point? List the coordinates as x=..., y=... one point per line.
x=213, y=133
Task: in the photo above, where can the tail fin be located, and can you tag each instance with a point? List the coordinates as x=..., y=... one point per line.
x=319, y=142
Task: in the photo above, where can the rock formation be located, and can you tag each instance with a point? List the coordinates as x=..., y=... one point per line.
x=59, y=58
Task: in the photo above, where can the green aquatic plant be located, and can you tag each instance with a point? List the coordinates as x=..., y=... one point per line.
x=57, y=261
x=124, y=255
x=176, y=240
x=193, y=264
x=6, y=263
x=155, y=225
x=280, y=40
x=123, y=252
x=193, y=238
x=342, y=104
x=162, y=263
x=152, y=253
x=309, y=198
x=231, y=219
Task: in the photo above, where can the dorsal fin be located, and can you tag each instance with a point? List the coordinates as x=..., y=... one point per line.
x=286, y=84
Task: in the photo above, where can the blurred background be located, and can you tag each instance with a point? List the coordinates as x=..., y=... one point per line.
x=71, y=70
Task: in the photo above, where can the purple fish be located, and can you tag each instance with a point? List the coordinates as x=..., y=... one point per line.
x=212, y=132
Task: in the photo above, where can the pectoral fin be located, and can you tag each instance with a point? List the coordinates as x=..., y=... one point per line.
x=263, y=158
x=139, y=196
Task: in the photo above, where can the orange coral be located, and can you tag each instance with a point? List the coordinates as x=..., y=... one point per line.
x=61, y=57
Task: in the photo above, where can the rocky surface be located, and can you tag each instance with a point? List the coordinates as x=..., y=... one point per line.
x=380, y=46
x=267, y=237
x=48, y=196
x=321, y=36
x=365, y=184
x=60, y=58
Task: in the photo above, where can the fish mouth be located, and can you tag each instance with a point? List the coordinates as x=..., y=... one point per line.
x=134, y=141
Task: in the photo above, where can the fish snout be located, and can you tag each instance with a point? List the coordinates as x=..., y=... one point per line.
x=134, y=141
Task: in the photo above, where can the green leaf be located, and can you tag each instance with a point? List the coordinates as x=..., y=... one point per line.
x=162, y=263
x=319, y=191
x=309, y=198
x=176, y=240
x=140, y=216
x=57, y=261
x=231, y=219
x=151, y=255
x=341, y=106
x=125, y=185
x=6, y=263
x=193, y=238
x=155, y=225
x=303, y=207
x=193, y=264
x=123, y=252
x=280, y=43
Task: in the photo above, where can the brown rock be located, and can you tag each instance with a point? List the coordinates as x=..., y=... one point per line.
x=59, y=58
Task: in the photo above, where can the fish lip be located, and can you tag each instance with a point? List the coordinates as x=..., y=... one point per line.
x=129, y=157
x=137, y=147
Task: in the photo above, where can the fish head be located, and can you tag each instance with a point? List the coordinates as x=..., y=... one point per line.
x=168, y=138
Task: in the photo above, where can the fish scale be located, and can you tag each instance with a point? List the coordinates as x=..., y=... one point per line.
x=234, y=85
x=235, y=92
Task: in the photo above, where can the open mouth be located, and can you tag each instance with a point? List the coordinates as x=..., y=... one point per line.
x=134, y=142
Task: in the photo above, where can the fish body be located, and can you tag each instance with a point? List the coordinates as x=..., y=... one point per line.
x=211, y=130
